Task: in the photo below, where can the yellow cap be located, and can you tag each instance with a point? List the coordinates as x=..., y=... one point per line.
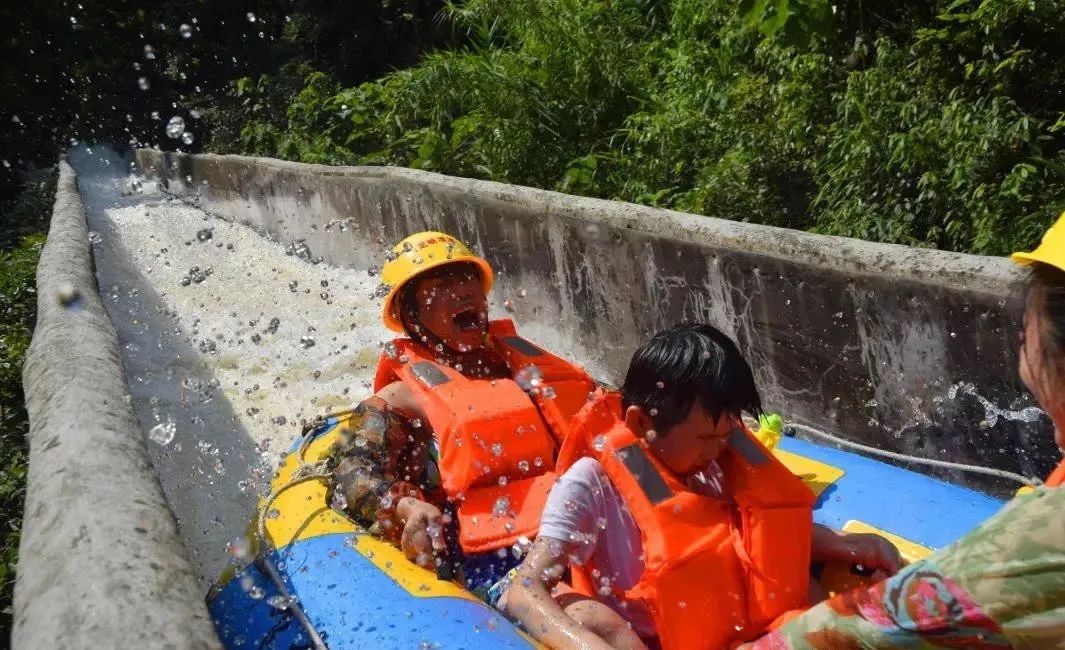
x=1051, y=250
x=417, y=254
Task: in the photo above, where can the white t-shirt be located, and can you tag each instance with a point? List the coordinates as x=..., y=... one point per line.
x=585, y=512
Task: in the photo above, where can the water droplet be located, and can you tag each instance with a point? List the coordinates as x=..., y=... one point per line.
x=599, y=444
x=497, y=449
x=501, y=506
x=390, y=350
x=529, y=378
x=143, y=84
x=175, y=127
x=68, y=296
x=251, y=17
x=306, y=342
x=601, y=522
x=339, y=501
x=185, y=31
x=523, y=465
x=205, y=235
x=255, y=592
x=206, y=448
x=187, y=137
x=239, y=551
x=162, y=433
x=149, y=52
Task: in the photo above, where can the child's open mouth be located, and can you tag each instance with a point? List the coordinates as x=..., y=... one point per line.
x=467, y=320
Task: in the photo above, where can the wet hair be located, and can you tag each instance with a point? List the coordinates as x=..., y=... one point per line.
x=1046, y=294
x=687, y=363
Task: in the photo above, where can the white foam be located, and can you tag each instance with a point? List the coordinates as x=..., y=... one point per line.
x=226, y=443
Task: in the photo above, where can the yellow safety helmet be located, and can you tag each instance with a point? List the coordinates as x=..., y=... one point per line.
x=1050, y=251
x=417, y=254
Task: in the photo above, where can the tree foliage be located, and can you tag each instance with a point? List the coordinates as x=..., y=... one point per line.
x=18, y=307
x=923, y=123
x=115, y=71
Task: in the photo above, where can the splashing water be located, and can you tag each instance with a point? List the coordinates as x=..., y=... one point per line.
x=175, y=127
x=992, y=412
x=228, y=292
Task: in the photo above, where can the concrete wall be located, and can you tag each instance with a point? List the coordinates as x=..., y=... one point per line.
x=100, y=563
x=908, y=349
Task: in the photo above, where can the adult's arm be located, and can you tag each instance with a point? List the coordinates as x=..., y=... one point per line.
x=381, y=461
x=1000, y=586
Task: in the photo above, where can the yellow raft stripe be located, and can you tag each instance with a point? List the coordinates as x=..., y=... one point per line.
x=910, y=551
x=817, y=475
x=301, y=513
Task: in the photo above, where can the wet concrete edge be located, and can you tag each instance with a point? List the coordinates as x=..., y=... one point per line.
x=100, y=561
x=897, y=347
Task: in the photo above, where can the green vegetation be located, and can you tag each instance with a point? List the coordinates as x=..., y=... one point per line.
x=931, y=123
x=923, y=123
x=24, y=222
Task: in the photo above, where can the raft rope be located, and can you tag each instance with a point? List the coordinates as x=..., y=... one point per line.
x=974, y=469
x=265, y=546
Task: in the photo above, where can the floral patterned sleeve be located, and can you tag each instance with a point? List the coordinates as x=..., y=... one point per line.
x=1000, y=586
x=377, y=459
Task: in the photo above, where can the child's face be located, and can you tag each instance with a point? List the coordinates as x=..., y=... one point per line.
x=689, y=446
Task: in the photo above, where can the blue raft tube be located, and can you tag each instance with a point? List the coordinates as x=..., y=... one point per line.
x=319, y=580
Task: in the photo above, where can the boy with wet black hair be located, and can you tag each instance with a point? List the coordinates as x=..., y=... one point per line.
x=647, y=520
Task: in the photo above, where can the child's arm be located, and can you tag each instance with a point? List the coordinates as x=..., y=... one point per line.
x=529, y=601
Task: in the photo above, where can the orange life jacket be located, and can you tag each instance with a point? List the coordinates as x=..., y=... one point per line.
x=716, y=571
x=1057, y=477
x=497, y=439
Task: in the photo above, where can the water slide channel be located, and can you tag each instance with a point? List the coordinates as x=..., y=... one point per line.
x=230, y=340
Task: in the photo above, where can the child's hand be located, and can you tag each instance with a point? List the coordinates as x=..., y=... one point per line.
x=872, y=552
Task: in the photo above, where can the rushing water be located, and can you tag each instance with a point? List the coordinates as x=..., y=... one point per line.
x=228, y=343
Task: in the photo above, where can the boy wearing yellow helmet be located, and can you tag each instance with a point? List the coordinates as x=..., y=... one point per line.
x=466, y=421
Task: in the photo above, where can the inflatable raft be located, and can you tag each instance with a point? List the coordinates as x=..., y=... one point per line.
x=322, y=581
